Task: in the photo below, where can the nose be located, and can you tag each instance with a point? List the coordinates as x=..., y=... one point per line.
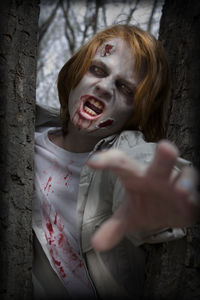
x=104, y=88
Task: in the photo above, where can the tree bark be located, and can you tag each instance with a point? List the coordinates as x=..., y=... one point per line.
x=173, y=269
x=18, y=56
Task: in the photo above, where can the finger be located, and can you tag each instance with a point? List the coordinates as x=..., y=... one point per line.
x=164, y=160
x=118, y=162
x=188, y=182
x=175, y=175
x=116, y=227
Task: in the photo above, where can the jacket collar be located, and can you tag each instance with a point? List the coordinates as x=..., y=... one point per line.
x=106, y=142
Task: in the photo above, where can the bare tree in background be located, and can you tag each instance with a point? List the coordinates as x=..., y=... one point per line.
x=70, y=24
x=44, y=26
x=95, y=17
x=150, y=22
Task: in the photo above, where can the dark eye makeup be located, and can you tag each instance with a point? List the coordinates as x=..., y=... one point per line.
x=97, y=71
x=100, y=71
x=125, y=89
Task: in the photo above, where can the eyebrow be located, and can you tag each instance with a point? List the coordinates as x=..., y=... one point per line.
x=101, y=64
x=131, y=84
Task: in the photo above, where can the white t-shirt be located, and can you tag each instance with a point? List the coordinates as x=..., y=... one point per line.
x=57, y=175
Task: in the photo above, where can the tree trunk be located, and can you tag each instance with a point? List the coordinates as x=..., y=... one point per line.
x=173, y=269
x=18, y=45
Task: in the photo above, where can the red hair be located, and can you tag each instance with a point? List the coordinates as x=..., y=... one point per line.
x=153, y=91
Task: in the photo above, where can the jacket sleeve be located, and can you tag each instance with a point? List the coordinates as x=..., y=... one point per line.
x=46, y=116
x=156, y=236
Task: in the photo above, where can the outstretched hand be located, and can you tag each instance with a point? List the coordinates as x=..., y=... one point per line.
x=156, y=197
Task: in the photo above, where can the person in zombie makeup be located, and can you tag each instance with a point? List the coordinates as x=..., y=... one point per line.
x=103, y=186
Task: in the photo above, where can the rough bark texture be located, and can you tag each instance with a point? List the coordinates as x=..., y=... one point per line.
x=179, y=33
x=173, y=269
x=18, y=44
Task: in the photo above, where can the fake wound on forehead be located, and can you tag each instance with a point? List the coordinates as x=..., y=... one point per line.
x=107, y=49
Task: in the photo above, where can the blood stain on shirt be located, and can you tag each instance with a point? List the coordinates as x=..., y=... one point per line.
x=46, y=210
x=50, y=240
x=55, y=219
x=48, y=185
x=58, y=264
x=64, y=243
x=58, y=222
x=68, y=177
x=48, y=181
x=60, y=239
x=50, y=228
x=72, y=258
x=63, y=274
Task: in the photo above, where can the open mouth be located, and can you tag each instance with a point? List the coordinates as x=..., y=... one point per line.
x=93, y=107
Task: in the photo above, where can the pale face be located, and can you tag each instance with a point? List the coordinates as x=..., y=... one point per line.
x=102, y=102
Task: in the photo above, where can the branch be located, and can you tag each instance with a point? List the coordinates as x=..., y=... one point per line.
x=87, y=20
x=104, y=14
x=44, y=27
x=131, y=12
x=98, y=4
x=70, y=35
x=151, y=16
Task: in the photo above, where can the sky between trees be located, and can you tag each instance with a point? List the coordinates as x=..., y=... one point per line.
x=64, y=25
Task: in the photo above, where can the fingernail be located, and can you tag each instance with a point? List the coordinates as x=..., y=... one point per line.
x=186, y=184
x=93, y=158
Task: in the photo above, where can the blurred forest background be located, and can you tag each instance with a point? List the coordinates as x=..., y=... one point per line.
x=172, y=269
x=65, y=25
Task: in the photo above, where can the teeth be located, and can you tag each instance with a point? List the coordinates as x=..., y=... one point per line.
x=90, y=111
x=96, y=103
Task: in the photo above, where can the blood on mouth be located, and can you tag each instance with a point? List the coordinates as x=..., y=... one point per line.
x=93, y=107
x=88, y=112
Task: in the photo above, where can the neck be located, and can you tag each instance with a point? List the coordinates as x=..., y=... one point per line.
x=78, y=143
x=75, y=141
